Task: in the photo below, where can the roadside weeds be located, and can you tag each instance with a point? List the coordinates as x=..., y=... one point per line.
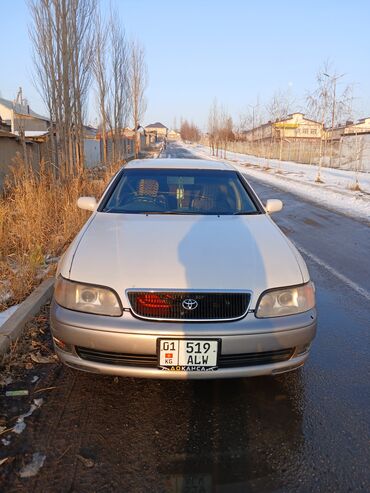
x=38, y=219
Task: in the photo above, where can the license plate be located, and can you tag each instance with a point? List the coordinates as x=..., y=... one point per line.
x=188, y=354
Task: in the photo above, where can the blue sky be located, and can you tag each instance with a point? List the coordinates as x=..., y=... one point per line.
x=235, y=51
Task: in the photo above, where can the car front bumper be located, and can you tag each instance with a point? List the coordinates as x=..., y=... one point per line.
x=132, y=336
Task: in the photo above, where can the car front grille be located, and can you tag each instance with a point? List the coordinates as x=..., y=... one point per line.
x=151, y=361
x=251, y=359
x=121, y=359
x=191, y=306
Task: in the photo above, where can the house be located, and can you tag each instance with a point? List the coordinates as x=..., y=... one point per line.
x=173, y=135
x=362, y=126
x=91, y=142
x=4, y=126
x=157, y=129
x=20, y=117
x=349, y=128
x=24, y=127
x=294, y=126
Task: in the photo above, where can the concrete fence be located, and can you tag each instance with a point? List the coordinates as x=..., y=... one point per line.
x=351, y=152
x=10, y=146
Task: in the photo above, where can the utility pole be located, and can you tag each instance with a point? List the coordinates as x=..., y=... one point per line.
x=253, y=113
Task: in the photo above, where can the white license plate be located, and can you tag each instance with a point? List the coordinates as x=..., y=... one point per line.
x=188, y=354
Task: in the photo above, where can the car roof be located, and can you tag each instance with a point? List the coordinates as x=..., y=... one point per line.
x=178, y=164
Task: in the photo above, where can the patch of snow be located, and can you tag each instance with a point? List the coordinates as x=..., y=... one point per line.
x=6, y=314
x=334, y=193
x=21, y=425
x=33, y=467
x=33, y=133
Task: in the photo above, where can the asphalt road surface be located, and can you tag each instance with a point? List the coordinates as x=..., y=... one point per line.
x=304, y=431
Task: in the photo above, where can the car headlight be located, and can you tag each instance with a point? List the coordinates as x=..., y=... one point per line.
x=286, y=301
x=86, y=298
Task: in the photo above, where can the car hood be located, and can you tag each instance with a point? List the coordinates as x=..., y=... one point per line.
x=125, y=251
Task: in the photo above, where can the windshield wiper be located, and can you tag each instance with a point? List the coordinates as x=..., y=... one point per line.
x=251, y=213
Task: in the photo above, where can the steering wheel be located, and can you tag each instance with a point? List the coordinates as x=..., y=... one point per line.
x=145, y=198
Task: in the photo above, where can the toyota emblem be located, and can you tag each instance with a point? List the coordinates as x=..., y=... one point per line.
x=189, y=304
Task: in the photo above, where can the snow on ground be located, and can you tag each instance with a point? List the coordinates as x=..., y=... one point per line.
x=6, y=314
x=334, y=193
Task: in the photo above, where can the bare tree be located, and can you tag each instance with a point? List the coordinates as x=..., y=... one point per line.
x=111, y=66
x=225, y=131
x=328, y=105
x=250, y=122
x=119, y=86
x=102, y=79
x=220, y=129
x=280, y=105
x=82, y=47
x=318, y=103
x=325, y=103
x=138, y=80
x=189, y=131
x=63, y=42
x=213, y=127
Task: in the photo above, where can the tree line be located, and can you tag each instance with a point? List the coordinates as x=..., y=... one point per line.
x=189, y=131
x=75, y=50
x=327, y=103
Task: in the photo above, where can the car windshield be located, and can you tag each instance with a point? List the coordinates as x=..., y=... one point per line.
x=180, y=191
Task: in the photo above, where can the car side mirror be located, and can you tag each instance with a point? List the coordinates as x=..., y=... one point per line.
x=87, y=203
x=273, y=205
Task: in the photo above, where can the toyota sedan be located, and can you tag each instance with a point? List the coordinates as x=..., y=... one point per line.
x=180, y=272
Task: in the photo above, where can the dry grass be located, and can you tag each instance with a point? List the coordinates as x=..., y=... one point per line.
x=39, y=217
x=355, y=187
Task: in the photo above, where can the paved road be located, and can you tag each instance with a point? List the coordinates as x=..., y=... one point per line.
x=303, y=431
